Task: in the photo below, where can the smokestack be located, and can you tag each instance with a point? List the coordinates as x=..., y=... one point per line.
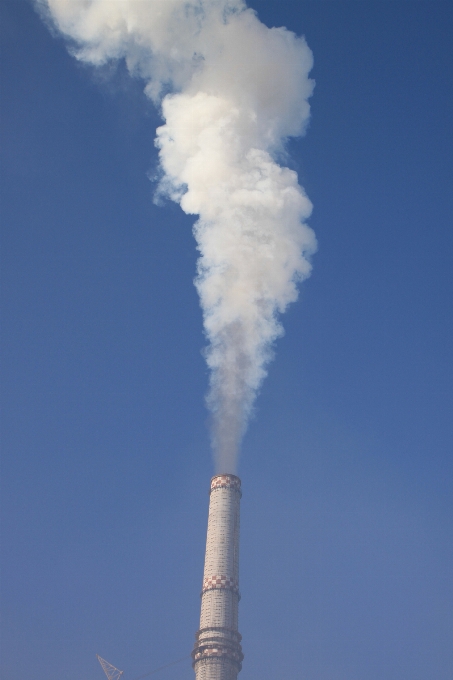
x=217, y=653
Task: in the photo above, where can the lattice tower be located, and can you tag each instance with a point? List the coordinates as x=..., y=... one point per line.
x=111, y=672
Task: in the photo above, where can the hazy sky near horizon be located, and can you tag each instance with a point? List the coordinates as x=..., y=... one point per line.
x=346, y=546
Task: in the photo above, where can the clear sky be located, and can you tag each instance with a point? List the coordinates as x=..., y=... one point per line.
x=346, y=547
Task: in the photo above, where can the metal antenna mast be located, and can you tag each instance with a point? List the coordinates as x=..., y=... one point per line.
x=111, y=672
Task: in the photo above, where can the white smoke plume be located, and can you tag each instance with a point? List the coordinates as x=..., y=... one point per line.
x=231, y=92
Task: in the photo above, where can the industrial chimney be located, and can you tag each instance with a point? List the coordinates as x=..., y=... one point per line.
x=217, y=653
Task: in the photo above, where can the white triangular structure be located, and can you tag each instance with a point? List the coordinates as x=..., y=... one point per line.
x=111, y=672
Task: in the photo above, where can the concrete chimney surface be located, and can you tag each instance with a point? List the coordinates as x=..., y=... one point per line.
x=217, y=653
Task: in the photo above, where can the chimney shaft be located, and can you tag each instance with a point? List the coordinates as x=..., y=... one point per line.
x=217, y=653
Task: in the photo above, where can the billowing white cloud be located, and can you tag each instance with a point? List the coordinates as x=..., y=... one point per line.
x=231, y=92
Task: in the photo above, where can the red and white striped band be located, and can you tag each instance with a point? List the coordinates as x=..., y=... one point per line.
x=225, y=482
x=213, y=582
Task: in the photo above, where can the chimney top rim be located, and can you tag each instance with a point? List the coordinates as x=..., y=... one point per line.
x=226, y=474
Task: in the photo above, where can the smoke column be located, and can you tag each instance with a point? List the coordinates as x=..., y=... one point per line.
x=231, y=91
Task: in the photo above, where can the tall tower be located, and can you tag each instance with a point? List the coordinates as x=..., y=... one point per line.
x=217, y=653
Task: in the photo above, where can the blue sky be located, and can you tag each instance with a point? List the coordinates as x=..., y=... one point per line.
x=346, y=547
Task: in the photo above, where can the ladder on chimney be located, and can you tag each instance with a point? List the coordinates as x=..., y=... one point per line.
x=111, y=672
